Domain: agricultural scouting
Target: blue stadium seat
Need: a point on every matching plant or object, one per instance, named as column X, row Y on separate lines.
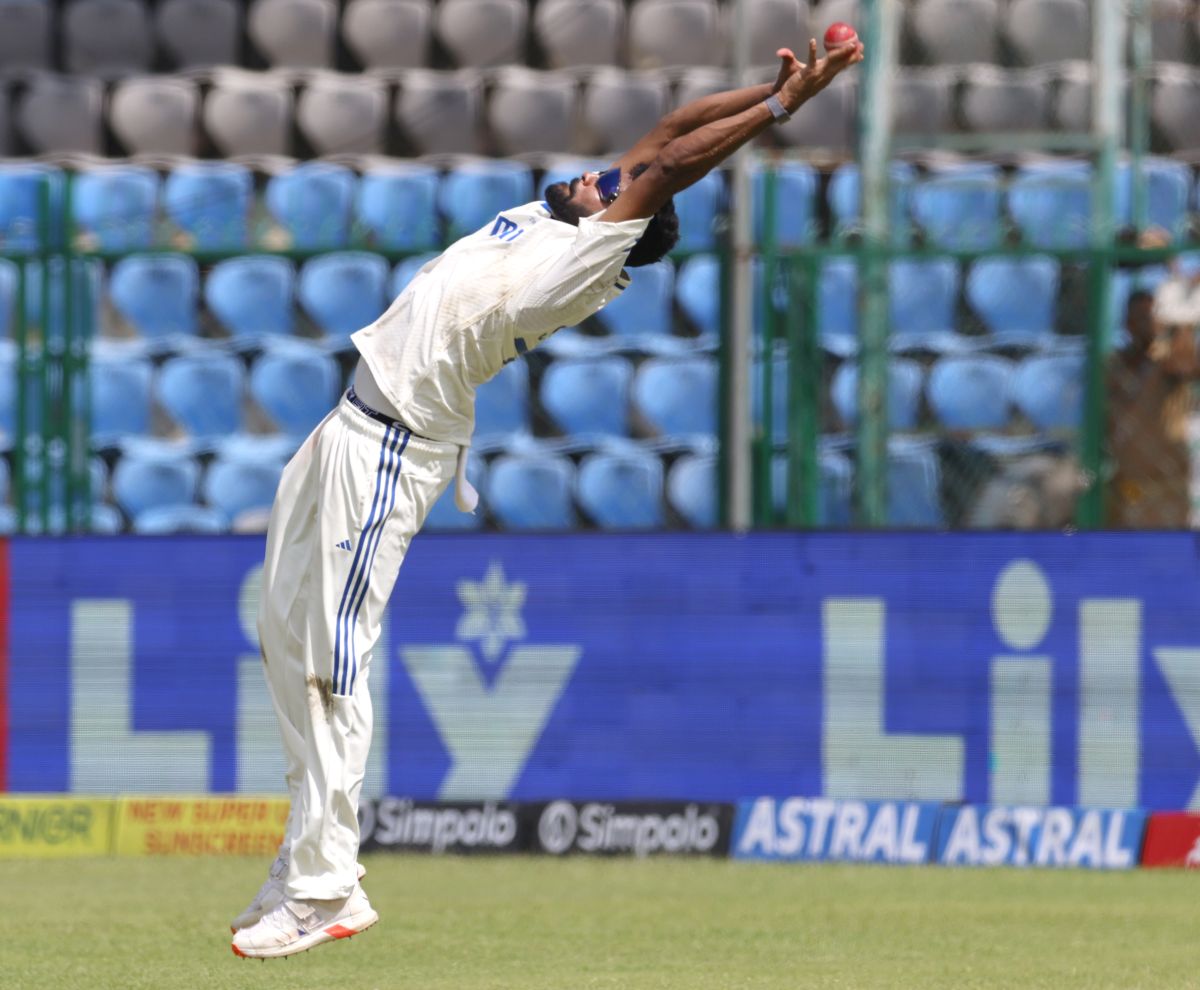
column 313, row 203
column 692, row 489
column 8, row 393
column 344, row 292
column 641, row 314
column 397, row 207
column 234, row 487
column 444, row 514
column 1168, row 187
column 959, row 207
column 157, row 294
column 698, row 292
column 114, row 207
column 25, row 190
column 699, row 207
column 406, row 271
column 588, row 396
column 210, row 202
column 903, row 393
column 473, row 193
column 169, row 520
column 502, row 407
column 9, row 277
column 837, row 306
column 5, row 480
column 1051, row 204
column 621, row 491
column 835, row 489
column 105, row 520
column 296, row 384
column 202, row 392
column 276, row 448
column 1048, row 389
column 970, row 393
column 924, row 300
column 120, row 397
column 252, row 297
column 97, row 479
column 150, row 481
column 1016, row 298
column 795, row 204
column 845, row 200
column 914, row 480
column 678, row 397
column 531, row 492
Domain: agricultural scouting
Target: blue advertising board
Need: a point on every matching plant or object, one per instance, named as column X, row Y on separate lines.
column 989, row 668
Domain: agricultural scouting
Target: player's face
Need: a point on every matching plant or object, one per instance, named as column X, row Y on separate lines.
column 582, row 193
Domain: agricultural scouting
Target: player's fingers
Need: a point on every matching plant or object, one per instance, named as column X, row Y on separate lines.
column 812, row 52
column 785, row 54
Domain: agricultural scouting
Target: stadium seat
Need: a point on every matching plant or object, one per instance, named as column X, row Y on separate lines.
column 106, row 38
column 835, row 489
column 294, row 33
column 313, row 203
column 482, row 33
column 769, row 21
column 531, row 492
column 1173, row 101
column 199, row 33
column 296, row 384
column 837, row 306
column 700, row 208
column 9, row 279
column 699, row 82
column 252, row 297
column 343, row 114
column 845, row 200
column 588, row 396
column 641, row 314
column 26, row 34
column 1168, row 42
column 1016, row 298
column 1051, row 204
column 388, row 34
column 994, row 100
column 698, row 292
column 531, row 111
column 970, row 393
column 170, row 520
column 1048, row 389
column 256, row 448
column 903, row 393
column 114, row 207
column 914, row 481
column 692, row 489
column 957, row 32
column 210, row 203
column 149, row 481
column 60, row 114
column 406, row 271
column 473, row 193
column 1042, row 31
column 959, row 207
column 574, row 34
column 157, row 295
column 120, row 399
column 396, row 207
column 232, row 487
column 621, row 491
column 795, row 203
column 439, row 112
column 249, row 113
column 8, row 393
column 25, row 190
column 678, row 397
column 1168, row 191
column 666, row 33
column 502, row 407
column 831, row 125
column 202, row 392
column 923, row 101
column 619, row 107
column 155, row 115
column 105, row 520
column 343, row 292
column 444, row 515
column 923, row 304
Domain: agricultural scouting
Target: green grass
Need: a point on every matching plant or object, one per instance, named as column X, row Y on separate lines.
column 540, row 924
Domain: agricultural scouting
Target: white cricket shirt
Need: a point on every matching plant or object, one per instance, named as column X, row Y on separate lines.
column 487, row 299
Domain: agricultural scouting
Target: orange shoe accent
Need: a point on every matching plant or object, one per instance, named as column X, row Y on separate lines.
column 340, row 931
column 237, row 951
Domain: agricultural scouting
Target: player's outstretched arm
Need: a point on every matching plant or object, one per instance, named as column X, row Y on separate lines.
column 686, row 159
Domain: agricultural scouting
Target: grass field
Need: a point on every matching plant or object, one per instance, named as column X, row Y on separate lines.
column 540, row 924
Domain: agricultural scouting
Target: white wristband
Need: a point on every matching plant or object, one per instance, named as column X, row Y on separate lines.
column 778, row 110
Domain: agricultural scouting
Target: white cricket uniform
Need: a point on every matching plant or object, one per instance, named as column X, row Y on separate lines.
column 358, row 490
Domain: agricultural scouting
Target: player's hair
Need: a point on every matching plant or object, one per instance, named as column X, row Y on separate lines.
column 1138, row 296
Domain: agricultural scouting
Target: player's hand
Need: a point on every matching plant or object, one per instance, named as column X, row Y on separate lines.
column 789, row 65
column 810, row 79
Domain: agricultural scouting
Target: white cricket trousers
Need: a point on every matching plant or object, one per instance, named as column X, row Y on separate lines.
column 348, row 504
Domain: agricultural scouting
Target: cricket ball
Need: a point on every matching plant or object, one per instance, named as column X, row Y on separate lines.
column 839, row 34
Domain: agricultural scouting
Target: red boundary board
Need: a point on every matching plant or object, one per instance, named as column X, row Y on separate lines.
column 1172, row 839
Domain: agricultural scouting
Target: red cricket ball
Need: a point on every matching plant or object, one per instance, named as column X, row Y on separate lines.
column 839, row 34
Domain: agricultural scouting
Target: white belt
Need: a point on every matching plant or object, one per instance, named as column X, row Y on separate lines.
column 466, row 498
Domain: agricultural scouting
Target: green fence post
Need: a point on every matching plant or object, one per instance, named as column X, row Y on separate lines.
column 764, row 446
column 804, row 391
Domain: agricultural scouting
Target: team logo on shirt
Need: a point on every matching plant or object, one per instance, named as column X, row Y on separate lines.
column 505, row 229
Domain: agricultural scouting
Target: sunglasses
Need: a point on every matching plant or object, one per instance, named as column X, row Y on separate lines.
column 608, row 185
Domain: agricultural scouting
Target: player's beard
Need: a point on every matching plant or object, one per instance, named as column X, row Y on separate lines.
column 559, row 196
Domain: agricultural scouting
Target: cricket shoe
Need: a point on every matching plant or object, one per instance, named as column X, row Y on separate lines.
column 271, row 894
column 297, row 926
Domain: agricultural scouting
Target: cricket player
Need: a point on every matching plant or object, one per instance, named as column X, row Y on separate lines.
column 359, row 488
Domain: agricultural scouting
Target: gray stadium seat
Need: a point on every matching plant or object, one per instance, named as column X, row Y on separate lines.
column 693, row 84
column 439, row 111
column 1169, row 42
column 199, row 32
column 25, row 34
column 155, row 114
column 773, row 24
column 1071, row 102
column 675, row 33
column 829, row 123
column 5, row 117
column 996, row 99
column 532, row 111
column 574, row 34
column 830, row 11
column 388, row 34
column 106, row 37
column 340, row 113
column 295, row 33
column 483, row 32
column 954, row 32
column 248, row 113
column 61, row 114
column 1173, row 106
column 619, row 107
column 923, row 100
column 1043, row 31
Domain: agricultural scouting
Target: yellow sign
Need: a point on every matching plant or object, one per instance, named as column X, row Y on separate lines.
column 194, row 826
column 42, row 827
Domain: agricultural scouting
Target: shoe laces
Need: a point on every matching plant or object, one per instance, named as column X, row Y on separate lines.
column 278, row 869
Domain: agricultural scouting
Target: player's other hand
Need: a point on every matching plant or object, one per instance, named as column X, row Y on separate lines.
column 789, row 65
column 810, row 79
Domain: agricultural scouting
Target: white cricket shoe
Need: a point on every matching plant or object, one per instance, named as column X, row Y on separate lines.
column 271, row 894
column 296, row 926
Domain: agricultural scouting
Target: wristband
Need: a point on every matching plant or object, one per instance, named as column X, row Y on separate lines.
column 778, row 110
